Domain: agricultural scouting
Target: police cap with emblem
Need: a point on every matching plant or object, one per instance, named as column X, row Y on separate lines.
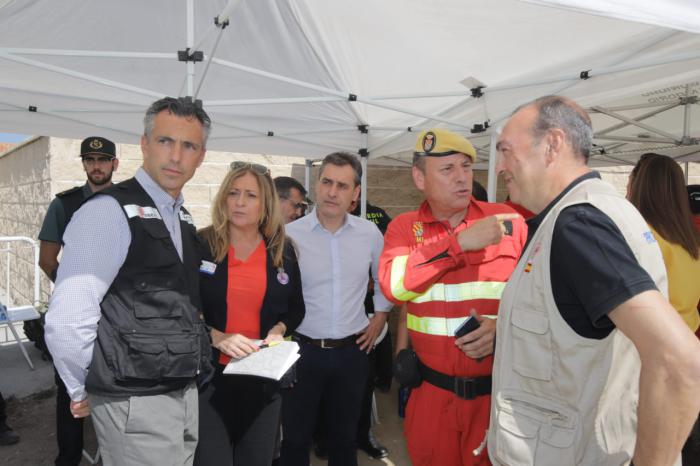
column 439, row 142
column 97, row 146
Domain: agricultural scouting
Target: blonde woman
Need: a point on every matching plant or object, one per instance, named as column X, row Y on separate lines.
column 251, row 289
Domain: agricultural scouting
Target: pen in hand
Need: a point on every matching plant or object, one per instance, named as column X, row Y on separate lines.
column 269, row 345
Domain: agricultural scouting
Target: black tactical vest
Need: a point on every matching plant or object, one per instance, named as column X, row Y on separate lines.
column 151, row 338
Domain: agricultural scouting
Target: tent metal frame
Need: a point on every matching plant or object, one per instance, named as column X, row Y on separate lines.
column 365, row 143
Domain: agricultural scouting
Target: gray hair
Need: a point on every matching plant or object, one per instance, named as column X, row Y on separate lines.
column 180, row 106
column 341, row 159
column 554, row 111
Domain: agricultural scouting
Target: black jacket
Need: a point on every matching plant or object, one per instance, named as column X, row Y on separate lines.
column 282, row 302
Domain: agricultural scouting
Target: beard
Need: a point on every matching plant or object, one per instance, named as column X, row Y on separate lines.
column 101, row 179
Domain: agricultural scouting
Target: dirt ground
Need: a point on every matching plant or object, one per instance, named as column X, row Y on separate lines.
column 33, row 418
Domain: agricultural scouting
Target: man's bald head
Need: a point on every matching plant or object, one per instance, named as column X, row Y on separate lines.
column 555, row 111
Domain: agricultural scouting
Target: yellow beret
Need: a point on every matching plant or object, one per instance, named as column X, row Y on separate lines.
column 439, row 142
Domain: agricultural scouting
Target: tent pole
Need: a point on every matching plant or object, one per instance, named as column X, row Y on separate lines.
column 83, row 76
column 87, row 53
column 634, row 122
column 334, row 92
column 606, row 137
column 134, row 135
column 639, row 118
column 258, row 133
column 190, row 44
column 288, row 100
column 492, row 176
column 211, row 55
column 686, row 115
column 420, row 123
column 363, row 186
column 307, row 176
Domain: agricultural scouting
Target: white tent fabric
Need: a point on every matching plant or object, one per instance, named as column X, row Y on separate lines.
column 683, row 15
column 307, row 77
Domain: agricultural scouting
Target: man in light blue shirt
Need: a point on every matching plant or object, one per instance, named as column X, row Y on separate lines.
column 335, row 251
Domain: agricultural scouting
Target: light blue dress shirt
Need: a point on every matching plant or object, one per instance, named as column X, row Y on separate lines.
column 334, row 274
column 97, row 241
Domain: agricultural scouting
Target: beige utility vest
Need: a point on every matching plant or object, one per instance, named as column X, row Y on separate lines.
column 560, row 399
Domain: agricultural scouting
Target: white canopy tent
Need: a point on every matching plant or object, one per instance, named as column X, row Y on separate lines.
column 307, row 77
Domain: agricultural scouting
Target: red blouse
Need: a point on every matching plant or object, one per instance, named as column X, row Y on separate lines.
column 247, row 281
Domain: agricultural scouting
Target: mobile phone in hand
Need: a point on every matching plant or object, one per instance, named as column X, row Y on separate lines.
column 467, row 326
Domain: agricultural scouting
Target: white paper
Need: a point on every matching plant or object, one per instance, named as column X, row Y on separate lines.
column 271, row 362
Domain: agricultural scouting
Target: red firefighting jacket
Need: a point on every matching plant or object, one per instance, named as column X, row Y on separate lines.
column 423, row 266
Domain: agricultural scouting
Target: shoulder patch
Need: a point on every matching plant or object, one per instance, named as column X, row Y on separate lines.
column 133, row 210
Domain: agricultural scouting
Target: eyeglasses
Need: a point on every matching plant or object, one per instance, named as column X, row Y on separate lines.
column 101, row 160
column 262, row 169
column 296, row 205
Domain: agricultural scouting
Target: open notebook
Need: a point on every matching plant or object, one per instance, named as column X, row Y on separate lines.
column 271, row 362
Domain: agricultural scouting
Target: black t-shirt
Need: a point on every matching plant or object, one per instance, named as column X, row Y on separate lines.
column 592, row 268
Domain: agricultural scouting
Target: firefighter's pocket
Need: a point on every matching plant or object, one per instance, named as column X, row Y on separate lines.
column 151, row 291
column 506, row 249
column 534, row 431
column 532, row 344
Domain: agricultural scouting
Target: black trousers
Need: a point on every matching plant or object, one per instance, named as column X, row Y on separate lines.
column 337, row 378
column 69, row 430
column 238, row 422
column 379, row 375
column 3, row 413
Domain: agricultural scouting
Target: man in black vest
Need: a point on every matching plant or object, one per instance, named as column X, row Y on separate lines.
column 99, row 162
column 124, row 324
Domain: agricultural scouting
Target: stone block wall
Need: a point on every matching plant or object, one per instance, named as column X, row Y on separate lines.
column 25, row 191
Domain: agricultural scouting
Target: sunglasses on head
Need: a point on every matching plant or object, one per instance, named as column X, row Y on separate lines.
column 262, row 169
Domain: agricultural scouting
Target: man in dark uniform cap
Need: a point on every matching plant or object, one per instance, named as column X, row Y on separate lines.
column 99, row 161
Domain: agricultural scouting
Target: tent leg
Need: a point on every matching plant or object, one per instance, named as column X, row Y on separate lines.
column 492, row 175
column 307, row 176
column 363, row 188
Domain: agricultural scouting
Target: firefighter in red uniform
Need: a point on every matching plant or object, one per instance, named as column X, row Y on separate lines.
column 448, row 260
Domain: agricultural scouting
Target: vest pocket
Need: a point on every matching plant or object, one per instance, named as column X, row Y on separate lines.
column 151, row 357
column 143, row 358
column 532, row 345
column 533, row 431
column 183, row 361
column 150, row 294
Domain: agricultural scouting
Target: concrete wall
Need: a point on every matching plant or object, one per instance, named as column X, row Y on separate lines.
column 25, row 191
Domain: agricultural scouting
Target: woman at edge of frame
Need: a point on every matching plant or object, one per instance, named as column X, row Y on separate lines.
column 657, row 189
column 250, row 287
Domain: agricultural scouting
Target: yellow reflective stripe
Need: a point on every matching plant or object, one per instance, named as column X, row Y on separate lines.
column 398, row 270
column 455, row 292
column 439, row 326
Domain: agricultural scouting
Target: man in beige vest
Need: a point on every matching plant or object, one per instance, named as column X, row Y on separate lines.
column 592, row 366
